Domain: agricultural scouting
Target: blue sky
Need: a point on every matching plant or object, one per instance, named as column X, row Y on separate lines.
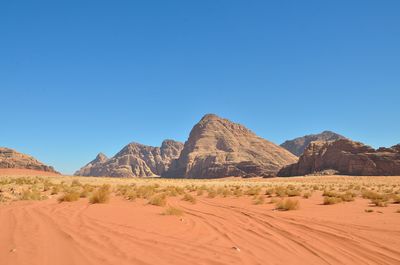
column 80, row 77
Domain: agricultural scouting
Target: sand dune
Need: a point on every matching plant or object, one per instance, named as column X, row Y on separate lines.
column 212, row 231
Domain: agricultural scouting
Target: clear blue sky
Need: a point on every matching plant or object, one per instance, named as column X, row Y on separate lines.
column 80, row 77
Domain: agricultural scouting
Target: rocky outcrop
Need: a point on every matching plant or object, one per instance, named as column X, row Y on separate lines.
column 298, row 145
column 346, row 158
column 91, row 166
column 219, row 148
column 10, row 158
column 134, row 160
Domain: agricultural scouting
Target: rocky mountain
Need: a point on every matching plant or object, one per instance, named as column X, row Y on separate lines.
column 10, row 158
column 218, row 148
column 346, row 158
column 298, row 145
column 134, row 160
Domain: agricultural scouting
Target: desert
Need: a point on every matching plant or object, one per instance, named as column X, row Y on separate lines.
column 199, row 132
column 301, row 220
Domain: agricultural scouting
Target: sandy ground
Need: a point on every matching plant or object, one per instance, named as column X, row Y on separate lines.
column 212, row 231
column 24, row 172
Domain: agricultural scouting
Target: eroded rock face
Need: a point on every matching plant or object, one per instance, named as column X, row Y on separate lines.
column 219, row 148
column 10, row 158
column 298, row 145
column 346, row 157
column 134, row 160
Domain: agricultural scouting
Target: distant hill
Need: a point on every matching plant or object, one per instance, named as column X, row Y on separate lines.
column 134, row 160
column 345, row 157
column 11, row 159
column 298, row 145
column 219, row 148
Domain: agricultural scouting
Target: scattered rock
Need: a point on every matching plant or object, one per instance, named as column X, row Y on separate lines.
column 236, row 248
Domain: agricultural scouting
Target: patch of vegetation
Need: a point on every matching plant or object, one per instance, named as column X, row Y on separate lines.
column 287, row 205
column 258, row 200
column 189, row 198
column 173, row 211
column 69, row 196
column 159, row 200
column 101, row 195
column 332, row 200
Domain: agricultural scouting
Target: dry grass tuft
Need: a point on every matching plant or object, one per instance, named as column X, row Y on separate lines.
column 258, row 200
column 173, row 211
column 332, row 200
column 189, row 198
column 287, row 205
column 159, row 200
column 101, row 195
column 70, row 196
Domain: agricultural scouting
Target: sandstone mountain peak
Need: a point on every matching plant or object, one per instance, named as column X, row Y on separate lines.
column 218, row 147
column 345, row 157
column 134, row 160
column 10, row 158
column 298, row 145
column 100, row 158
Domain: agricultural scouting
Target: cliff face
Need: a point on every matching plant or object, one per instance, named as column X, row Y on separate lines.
column 134, row 160
column 219, row 148
column 346, row 158
column 298, row 145
column 10, row 158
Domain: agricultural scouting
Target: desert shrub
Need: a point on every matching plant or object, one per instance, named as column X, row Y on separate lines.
column 131, row 195
column 76, row 183
column 307, row 195
column 158, row 200
column 173, row 191
column 293, row 192
column 348, row 196
column 226, row 192
column 273, row 200
column 200, row 192
column 238, row 192
column 258, row 200
column 173, row 211
column 379, row 202
column 332, row 200
column 269, row 192
column 211, row 193
column 146, row 192
column 101, row 195
column 31, row 195
column 253, row 191
column 280, row 191
column 287, row 205
column 372, row 195
column 396, row 198
column 189, row 198
column 69, row 196
column 55, row 189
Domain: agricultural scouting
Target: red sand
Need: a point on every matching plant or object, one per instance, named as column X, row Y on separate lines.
column 122, row 232
column 24, row 172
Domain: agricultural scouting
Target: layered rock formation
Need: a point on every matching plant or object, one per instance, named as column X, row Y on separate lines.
column 218, row 148
column 298, row 145
column 10, row 158
column 346, row 158
column 134, row 160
